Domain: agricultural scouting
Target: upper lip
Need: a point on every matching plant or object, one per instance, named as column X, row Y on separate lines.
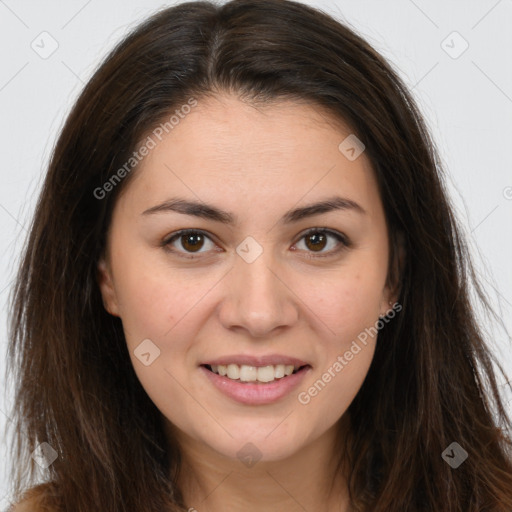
column 266, row 360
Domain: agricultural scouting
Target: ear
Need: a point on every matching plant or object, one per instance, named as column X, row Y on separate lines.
column 396, row 266
column 106, row 285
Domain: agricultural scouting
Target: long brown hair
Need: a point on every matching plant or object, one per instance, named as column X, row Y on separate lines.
column 431, row 382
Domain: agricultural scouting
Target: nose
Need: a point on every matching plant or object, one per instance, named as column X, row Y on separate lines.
column 258, row 298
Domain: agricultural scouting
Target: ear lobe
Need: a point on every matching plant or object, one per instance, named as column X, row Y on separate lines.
column 107, row 290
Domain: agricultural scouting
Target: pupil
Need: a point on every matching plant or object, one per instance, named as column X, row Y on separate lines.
column 319, row 238
column 189, row 241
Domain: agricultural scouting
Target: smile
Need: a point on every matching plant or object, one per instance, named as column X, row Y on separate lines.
column 246, row 373
column 242, row 383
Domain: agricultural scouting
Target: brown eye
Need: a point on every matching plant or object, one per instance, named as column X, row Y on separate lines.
column 316, row 241
column 188, row 242
column 192, row 242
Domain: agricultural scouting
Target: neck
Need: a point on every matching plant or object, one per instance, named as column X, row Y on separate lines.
column 313, row 478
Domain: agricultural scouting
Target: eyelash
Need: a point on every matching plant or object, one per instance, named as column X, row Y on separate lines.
column 345, row 243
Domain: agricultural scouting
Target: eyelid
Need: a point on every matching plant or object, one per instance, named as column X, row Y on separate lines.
column 343, row 238
column 340, row 237
column 165, row 243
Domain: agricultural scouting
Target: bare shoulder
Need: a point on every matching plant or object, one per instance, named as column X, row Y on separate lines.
column 24, row 506
column 27, row 505
column 32, row 501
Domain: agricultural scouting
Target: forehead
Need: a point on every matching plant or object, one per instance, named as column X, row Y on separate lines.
column 223, row 124
column 229, row 150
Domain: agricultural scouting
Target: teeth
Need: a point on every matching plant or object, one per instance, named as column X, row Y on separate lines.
column 233, row 371
column 247, row 373
column 279, row 369
column 266, row 374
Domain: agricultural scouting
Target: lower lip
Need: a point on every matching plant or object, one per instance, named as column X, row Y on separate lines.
column 256, row 394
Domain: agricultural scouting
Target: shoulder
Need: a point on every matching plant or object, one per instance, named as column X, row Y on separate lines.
column 24, row 506
column 27, row 505
column 31, row 501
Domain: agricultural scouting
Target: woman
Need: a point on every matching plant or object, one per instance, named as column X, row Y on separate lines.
column 245, row 289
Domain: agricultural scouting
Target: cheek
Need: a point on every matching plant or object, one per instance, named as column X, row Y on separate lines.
column 349, row 307
column 330, row 392
column 158, row 319
column 348, row 304
column 347, row 301
column 153, row 299
column 166, row 307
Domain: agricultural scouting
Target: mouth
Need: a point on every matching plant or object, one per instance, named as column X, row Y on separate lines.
column 247, row 374
column 259, row 382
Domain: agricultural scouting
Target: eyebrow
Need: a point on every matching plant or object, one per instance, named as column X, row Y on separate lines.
column 211, row 212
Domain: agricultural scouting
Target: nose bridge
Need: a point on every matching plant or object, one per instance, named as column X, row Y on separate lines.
column 258, row 299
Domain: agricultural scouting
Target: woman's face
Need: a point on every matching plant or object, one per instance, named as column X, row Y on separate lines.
column 248, row 287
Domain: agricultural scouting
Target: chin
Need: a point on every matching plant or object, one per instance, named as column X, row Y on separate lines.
column 257, row 443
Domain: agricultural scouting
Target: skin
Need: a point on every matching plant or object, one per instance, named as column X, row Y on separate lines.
column 256, row 163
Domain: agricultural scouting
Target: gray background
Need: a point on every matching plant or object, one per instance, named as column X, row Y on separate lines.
column 465, row 95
